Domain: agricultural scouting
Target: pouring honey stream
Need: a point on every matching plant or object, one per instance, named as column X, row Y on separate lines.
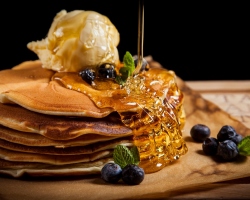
column 159, row 123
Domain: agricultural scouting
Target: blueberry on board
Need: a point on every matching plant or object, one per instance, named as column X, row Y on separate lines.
column 237, row 138
column 132, row 174
column 228, row 133
column 210, row 146
column 200, row 132
column 111, row 173
column 227, row 150
column 87, row 75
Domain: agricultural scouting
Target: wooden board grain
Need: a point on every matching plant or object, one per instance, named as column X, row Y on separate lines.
column 231, row 96
column 234, row 98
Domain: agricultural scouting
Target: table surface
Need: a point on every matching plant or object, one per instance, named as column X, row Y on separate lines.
column 234, row 98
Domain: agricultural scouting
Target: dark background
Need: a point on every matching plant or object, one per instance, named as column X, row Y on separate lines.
column 199, row 40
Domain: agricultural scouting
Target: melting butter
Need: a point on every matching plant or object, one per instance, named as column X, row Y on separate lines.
column 78, row 40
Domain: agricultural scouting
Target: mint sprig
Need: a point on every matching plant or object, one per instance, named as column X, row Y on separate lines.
column 136, row 155
column 244, row 146
column 123, row 155
column 127, row 70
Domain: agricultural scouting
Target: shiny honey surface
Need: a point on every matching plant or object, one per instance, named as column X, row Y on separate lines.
column 150, row 103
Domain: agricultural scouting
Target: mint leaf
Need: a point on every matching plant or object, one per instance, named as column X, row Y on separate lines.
column 122, row 156
column 127, row 70
column 136, row 155
column 129, row 63
column 125, row 73
column 119, row 80
column 244, row 146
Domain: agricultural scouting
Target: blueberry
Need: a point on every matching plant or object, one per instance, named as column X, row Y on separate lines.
column 87, row 75
column 237, row 138
column 227, row 150
column 210, row 146
column 228, row 133
column 107, row 70
column 111, row 173
column 200, row 132
column 132, row 174
column 145, row 65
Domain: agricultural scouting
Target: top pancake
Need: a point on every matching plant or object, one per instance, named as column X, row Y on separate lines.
column 44, row 91
column 32, row 87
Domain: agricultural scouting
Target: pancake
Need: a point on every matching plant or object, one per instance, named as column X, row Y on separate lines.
column 11, row 155
column 18, row 169
column 29, row 85
column 60, row 128
column 40, row 94
column 77, row 150
column 33, row 73
column 67, row 94
column 34, row 139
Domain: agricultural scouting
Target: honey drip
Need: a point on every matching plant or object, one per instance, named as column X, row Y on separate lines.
column 157, row 126
column 159, row 117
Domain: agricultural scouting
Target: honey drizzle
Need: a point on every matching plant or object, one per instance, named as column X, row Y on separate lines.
column 157, row 128
column 159, row 117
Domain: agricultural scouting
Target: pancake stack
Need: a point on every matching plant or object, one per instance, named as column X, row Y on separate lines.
column 48, row 129
column 39, row 143
column 55, row 123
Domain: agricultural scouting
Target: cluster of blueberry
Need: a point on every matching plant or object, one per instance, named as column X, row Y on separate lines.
column 131, row 174
column 106, row 70
column 225, row 145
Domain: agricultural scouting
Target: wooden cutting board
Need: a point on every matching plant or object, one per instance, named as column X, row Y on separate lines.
column 234, row 98
column 194, row 176
column 231, row 96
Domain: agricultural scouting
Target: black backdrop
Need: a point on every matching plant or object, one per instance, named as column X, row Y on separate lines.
column 206, row 40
